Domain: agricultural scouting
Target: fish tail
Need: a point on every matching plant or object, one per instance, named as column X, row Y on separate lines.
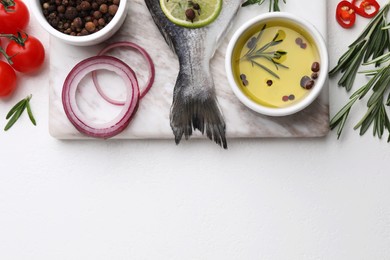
column 192, row 109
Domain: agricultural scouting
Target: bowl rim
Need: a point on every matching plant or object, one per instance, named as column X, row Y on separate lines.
column 79, row 40
column 320, row 82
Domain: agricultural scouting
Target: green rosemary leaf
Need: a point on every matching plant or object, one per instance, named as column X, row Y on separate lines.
column 380, row 59
column 342, row 124
column 364, row 119
column 261, row 33
column 340, row 119
column 16, row 108
column 347, row 59
column 388, row 100
column 377, row 96
column 387, row 123
column 349, row 75
column 380, row 124
column 30, row 114
column 266, row 69
column 359, row 93
column 370, row 84
column 366, row 123
column 253, row 48
column 251, row 2
column 264, row 53
column 371, row 47
column 267, row 45
column 339, row 115
column 14, row 118
column 276, row 7
column 378, row 43
column 273, row 4
column 281, row 53
column 281, row 65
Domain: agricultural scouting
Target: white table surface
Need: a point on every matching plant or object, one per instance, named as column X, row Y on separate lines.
column 261, row 199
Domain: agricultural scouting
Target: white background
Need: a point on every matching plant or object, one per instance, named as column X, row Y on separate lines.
column 261, row 199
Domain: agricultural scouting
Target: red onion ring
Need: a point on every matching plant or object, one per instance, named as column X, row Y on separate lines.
column 151, row 68
column 76, row 117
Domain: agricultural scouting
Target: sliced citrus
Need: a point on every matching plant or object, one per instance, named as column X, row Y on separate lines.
column 191, row 13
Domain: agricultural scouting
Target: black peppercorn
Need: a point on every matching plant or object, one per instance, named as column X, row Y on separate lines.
column 71, row 13
column 85, row 6
column 112, row 9
column 103, row 8
column 97, row 14
column 77, row 22
column 52, row 8
column 101, row 22
column 190, row 14
column 90, row 27
column 315, row 67
column 61, row 9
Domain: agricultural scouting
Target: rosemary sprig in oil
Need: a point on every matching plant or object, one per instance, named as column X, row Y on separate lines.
column 273, row 4
column 254, row 53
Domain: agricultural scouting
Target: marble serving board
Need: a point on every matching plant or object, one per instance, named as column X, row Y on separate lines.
column 152, row 118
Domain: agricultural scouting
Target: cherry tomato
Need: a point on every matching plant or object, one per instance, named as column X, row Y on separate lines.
column 27, row 58
column 7, row 79
column 14, row 16
column 366, row 8
column 345, row 14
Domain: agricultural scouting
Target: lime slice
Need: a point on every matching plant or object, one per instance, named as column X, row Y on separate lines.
column 199, row 12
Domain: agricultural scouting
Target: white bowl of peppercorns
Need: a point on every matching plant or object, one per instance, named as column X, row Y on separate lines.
column 80, row 22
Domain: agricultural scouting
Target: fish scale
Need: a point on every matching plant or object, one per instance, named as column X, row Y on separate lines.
column 195, row 104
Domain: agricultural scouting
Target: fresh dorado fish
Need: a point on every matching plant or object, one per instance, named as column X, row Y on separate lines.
column 195, row 103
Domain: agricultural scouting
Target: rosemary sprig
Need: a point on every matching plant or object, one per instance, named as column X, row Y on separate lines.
column 373, row 42
column 263, row 52
column 376, row 114
column 273, row 4
column 370, row 48
column 17, row 110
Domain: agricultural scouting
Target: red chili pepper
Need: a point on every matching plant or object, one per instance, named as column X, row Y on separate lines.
column 366, row 8
column 345, row 14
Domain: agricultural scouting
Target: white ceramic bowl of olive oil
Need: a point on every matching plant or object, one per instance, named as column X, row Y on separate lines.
column 92, row 38
column 277, row 64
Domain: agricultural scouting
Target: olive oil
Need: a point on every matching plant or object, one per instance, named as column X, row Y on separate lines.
column 278, row 71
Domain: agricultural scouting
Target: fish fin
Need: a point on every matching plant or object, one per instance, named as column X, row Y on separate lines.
column 198, row 112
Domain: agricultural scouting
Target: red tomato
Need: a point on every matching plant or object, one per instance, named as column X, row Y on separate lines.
column 7, row 79
column 27, row 58
column 14, row 16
